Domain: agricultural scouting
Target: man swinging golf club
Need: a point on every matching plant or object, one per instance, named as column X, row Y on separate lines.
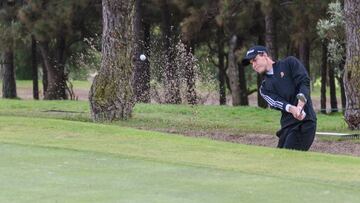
column 286, row 87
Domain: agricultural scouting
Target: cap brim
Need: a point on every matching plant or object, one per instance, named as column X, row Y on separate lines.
column 246, row 60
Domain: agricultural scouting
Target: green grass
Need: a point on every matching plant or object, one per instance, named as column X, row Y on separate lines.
column 316, row 90
column 27, row 84
column 181, row 118
column 49, row 160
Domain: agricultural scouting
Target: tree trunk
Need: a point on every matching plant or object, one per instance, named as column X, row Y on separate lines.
column 9, row 84
column 1, row 70
column 221, row 66
column 342, row 91
column 172, row 82
column 56, row 87
column 233, row 72
column 333, row 99
column 146, row 98
column 270, row 33
column 352, row 65
column 244, row 100
column 190, row 75
column 34, row 69
column 141, row 68
column 111, row 94
column 323, row 78
column 259, row 78
column 341, row 84
column 304, row 53
column 44, row 77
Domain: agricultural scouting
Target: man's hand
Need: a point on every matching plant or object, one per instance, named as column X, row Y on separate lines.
column 300, row 104
column 296, row 112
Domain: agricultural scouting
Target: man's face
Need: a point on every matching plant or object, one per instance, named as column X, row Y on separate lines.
column 259, row 63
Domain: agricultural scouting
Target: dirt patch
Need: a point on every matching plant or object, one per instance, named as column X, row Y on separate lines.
column 336, row 147
column 345, row 147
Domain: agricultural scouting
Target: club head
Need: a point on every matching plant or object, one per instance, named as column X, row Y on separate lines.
column 301, row 97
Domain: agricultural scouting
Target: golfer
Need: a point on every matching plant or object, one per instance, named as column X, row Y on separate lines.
column 283, row 81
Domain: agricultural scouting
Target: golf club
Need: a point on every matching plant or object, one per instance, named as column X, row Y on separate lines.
column 302, row 98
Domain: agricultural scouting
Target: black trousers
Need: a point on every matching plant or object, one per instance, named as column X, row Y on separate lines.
column 299, row 136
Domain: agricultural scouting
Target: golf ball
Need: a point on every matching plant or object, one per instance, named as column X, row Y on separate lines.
column 142, row 57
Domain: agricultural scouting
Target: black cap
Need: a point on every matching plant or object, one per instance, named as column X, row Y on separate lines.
column 252, row 53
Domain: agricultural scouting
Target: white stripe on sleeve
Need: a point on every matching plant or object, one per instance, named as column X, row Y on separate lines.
column 272, row 102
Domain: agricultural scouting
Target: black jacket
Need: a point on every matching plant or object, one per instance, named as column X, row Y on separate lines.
column 280, row 89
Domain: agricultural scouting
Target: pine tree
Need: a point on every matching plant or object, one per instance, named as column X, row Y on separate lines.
column 304, row 17
column 141, row 46
column 332, row 31
column 171, row 72
column 111, row 95
column 8, row 26
column 352, row 66
column 56, row 26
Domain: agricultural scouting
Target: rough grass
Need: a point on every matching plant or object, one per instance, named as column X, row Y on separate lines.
column 181, row 118
column 70, row 161
column 28, row 84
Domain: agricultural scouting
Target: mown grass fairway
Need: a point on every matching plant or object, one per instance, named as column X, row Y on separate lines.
column 70, row 161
